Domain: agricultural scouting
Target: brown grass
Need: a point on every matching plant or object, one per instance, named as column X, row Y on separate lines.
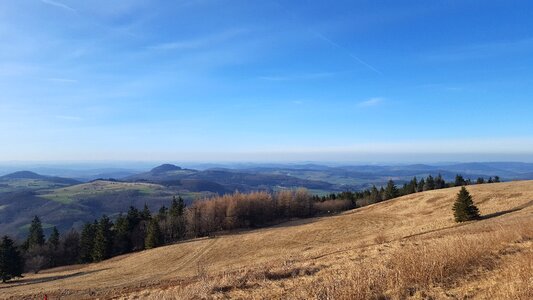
column 384, row 251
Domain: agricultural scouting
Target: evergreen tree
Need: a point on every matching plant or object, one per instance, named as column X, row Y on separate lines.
column 36, row 235
column 459, row 180
column 421, row 185
column 122, row 241
column 11, row 263
column 374, row 195
column 87, row 238
column 153, row 235
column 134, row 217
column 177, row 207
column 381, row 194
column 177, row 218
column 439, row 182
column 496, row 178
column 464, row 208
column 391, row 191
column 411, row 187
column 162, row 214
column 53, row 239
column 480, row 180
column 490, row 180
column 146, row 214
column 103, row 241
column 430, row 184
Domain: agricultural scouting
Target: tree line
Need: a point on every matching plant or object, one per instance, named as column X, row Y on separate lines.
column 391, row 190
column 137, row 229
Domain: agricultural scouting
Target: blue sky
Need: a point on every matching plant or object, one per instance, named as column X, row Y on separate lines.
column 266, row 80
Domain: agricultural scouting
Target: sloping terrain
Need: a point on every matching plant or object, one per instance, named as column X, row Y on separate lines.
column 69, row 206
column 405, row 247
column 226, row 180
column 27, row 181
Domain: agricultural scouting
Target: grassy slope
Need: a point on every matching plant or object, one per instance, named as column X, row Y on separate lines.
column 97, row 188
column 13, row 185
column 332, row 256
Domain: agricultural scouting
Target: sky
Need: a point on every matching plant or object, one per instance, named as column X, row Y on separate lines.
column 200, row 80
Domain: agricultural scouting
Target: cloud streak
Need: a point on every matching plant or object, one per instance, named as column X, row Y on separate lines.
column 199, row 42
column 350, row 54
column 371, row 102
column 58, row 4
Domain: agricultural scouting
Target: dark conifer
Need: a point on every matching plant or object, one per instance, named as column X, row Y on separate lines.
column 36, row 235
column 88, row 234
column 464, row 208
column 11, row 263
column 459, row 180
column 53, row 239
column 103, row 242
column 430, row 184
column 391, row 191
column 153, row 235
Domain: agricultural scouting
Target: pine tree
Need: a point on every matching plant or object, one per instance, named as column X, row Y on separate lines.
column 177, row 218
column 421, row 185
column 496, row 179
column 439, row 182
column 123, row 229
column 36, row 235
column 11, row 263
column 464, row 208
column 391, row 191
column 459, row 180
column 374, row 195
column 480, row 180
column 53, row 239
column 103, row 241
column 177, row 207
column 430, row 184
column 146, row 214
column 87, row 238
column 153, row 235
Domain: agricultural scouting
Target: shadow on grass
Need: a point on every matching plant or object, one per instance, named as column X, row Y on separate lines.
column 504, row 212
column 29, row 281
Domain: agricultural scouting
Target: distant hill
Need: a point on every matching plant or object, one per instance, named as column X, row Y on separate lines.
column 70, row 206
column 32, row 175
column 26, row 180
column 225, row 180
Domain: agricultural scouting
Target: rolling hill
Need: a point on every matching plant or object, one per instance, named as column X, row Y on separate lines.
column 403, row 248
column 68, row 206
column 26, row 181
column 221, row 180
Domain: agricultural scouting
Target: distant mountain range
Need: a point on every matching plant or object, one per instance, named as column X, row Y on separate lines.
column 70, row 199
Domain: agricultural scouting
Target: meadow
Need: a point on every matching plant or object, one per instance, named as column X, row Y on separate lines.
column 407, row 247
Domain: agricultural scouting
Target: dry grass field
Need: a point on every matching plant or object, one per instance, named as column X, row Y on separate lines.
column 409, row 247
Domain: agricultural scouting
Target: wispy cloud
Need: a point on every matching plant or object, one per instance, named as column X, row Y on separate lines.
column 344, row 49
column 58, row 4
column 199, row 42
column 371, row 102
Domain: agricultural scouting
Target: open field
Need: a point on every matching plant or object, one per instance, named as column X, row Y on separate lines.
column 13, row 185
column 99, row 188
column 407, row 247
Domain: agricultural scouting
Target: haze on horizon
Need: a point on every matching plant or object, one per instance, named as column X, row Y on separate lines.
column 196, row 80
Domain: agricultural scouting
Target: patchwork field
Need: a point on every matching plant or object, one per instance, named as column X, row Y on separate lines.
column 407, row 247
column 101, row 188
